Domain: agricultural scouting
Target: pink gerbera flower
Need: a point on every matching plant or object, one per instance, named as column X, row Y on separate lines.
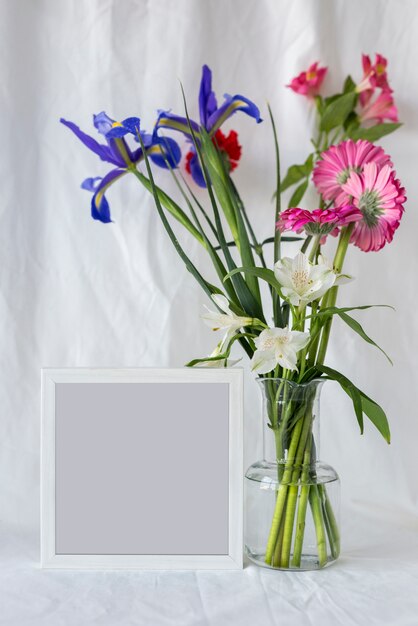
column 379, row 196
column 319, row 221
column 309, row 83
column 337, row 163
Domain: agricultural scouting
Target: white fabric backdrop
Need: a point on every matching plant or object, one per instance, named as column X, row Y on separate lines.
column 75, row 292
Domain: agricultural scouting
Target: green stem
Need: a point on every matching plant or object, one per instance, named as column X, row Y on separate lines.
column 282, row 492
column 319, row 524
column 302, row 506
column 293, row 490
column 330, row 522
column 331, row 297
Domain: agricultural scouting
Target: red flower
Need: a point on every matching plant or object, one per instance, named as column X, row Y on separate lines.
column 309, row 83
column 227, row 145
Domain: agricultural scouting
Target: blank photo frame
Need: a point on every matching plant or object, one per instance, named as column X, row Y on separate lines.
column 141, row 468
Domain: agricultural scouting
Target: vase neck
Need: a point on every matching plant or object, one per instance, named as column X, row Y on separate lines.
column 286, row 404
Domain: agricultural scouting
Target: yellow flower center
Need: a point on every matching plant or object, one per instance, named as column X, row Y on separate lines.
column 300, row 278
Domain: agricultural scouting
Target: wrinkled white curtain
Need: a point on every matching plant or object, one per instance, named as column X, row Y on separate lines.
column 75, row 292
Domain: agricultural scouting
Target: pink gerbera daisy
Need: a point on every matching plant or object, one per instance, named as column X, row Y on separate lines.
column 379, row 196
column 319, row 221
column 337, row 163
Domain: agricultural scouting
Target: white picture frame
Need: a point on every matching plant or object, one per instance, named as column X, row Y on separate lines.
column 77, row 527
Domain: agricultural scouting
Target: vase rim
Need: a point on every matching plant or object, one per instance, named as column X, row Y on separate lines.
column 262, row 379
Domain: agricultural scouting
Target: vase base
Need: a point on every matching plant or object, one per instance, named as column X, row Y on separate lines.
column 309, row 563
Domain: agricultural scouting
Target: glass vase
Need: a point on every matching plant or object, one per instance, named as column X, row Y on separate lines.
column 292, row 498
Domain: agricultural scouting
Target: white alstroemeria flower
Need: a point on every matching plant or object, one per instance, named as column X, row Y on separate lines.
column 226, row 320
column 277, row 346
column 302, row 282
column 340, row 279
column 219, row 362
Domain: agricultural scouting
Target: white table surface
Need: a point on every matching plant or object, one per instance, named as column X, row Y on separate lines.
column 375, row 582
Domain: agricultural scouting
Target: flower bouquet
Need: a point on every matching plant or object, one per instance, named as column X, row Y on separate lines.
column 360, row 202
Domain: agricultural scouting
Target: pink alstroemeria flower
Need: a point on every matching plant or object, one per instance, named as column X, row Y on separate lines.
column 383, row 108
column 374, row 75
column 317, row 222
column 309, row 83
column 336, row 164
column 380, row 197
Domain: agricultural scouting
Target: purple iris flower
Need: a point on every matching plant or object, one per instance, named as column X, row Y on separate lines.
column 164, row 151
column 211, row 119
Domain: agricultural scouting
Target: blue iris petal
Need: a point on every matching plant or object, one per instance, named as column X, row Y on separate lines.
column 133, row 124
column 231, row 105
column 196, row 171
column 164, row 152
column 166, row 119
column 102, row 151
column 103, row 122
column 100, row 209
column 91, row 184
column 129, row 126
column 207, row 98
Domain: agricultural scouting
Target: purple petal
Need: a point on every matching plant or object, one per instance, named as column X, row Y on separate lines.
column 165, row 152
column 231, row 105
column 207, row 98
column 100, row 209
column 129, row 126
column 196, row 171
column 103, row 122
column 175, row 122
column 102, row 151
column 91, row 184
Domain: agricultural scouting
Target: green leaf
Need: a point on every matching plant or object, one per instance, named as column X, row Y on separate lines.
column 229, row 201
column 245, row 296
column 298, row 194
column 376, row 415
column 369, row 407
column 210, row 155
column 350, row 390
column 189, row 265
column 337, row 111
column 260, row 272
column 354, row 325
column 374, row 132
column 277, row 311
column 295, row 173
column 172, row 207
column 226, row 353
column 351, row 123
column 334, row 310
column 349, row 85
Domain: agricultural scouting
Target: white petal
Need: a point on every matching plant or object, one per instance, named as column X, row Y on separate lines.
column 212, row 318
column 343, row 279
column 286, row 357
column 299, row 340
column 263, row 361
column 267, row 337
column 221, row 302
column 301, row 263
column 291, row 295
column 283, row 272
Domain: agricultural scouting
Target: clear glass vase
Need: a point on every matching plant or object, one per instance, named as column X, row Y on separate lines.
column 292, row 498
